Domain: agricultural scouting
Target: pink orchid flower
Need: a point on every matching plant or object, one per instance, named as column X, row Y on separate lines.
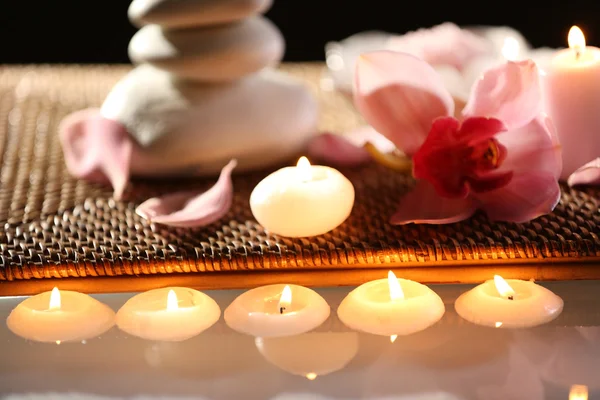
column 501, row 155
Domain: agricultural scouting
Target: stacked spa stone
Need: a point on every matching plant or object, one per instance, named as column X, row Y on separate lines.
column 205, row 89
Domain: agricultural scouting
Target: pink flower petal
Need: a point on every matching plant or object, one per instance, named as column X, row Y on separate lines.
column 588, row 174
column 400, row 95
column 510, row 93
column 192, row 208
column 534, row 148
column 348, row 149
column 97, row 149
column 526, row 197
column 423, row 205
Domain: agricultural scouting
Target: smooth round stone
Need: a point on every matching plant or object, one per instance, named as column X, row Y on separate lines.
column 193, row 13
column 188, row 127
column 222, row 53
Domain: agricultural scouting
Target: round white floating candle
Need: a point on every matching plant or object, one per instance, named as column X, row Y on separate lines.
column 391, row 307
column 306, row 200
column 311, row 354
column 168, row 314
column 572, row 94
column 60, row 316
column 509, row 303
column 277, row 310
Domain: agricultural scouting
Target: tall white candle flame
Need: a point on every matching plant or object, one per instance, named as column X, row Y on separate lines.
column 54, row 300
column 510, row 49
column 578, row 392
column 503, row 287
column 396, row 292
column 285, row 301
column 172, row 302
column 304, row 169
column 576, row 40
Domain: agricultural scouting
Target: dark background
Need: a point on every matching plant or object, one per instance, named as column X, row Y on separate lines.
column 84, row 31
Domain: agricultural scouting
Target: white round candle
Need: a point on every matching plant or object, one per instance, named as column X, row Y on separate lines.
column 509, row 303
column 306, row 200
column 311, row 354
column 276, row 311
column 572, row 94
column 168, row 314
column 391, row 307
column 60, row 316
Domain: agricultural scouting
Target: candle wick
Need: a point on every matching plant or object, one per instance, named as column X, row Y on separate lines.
column 511, row 297
column 281, row 310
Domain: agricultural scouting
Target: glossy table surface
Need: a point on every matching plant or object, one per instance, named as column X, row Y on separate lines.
column 451, row 360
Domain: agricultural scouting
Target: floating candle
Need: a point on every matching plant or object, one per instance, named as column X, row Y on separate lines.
column 509, row 303
column 60, row 316
column 310, row 354
column 572, row 94
column 306, row 200
column 168, row 314
column 391, row 307
column 277, row 310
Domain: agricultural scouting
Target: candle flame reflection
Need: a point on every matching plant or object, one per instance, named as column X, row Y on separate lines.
column 578, row 392
column 576, row 40
column 172, row 302
column 285, row 301
column 396, row 292
column 54, row 300
column 393, row 338
column 510, row 48
column 311, row 376
column 503, row 287
column 304, row 169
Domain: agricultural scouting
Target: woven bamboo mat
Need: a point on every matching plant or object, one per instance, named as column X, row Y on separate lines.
column 58, row 230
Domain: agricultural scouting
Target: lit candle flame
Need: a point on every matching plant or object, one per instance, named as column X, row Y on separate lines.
column 172, row 302
column 576, row 40
column 510, row 48
column 503, row 287
column 285, row 301
column 311, row 376
column 393, row 338
column 58, row 342
column 578, row 392
column 396, row 292
column 304, row 169
column 54, row 300
column 498, row 324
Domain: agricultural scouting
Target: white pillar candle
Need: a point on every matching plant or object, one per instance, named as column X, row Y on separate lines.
column 311, row 354
column 391, row 307
column 60, row 316
column 509, row 303
column 306, row 200
column 276, row 311
column 168, row 314
column 572, row 95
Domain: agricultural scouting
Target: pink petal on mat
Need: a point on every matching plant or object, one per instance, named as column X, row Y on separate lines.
column 423, row 205
column 400, row 95
column 510, row 92
column 97, row 149
column 534, row 147
column 192, row 208
column 526, row 197
column 589, row 174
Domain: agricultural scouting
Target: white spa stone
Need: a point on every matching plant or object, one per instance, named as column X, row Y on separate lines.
column 188, row 13
column 261, row 120
column 221, row 53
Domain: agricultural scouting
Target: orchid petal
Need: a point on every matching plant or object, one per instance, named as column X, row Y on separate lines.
column 424, row 205
column 192, row 208
column 510, row 93
column 400, row 95
column 526, row 197
column 588, row 174
column 97, row 149
column 534, row 147
column 348, row 149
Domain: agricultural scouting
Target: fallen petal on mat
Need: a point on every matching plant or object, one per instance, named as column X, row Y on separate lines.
column 97, row 149
column 192, row 208
column 588, row 174
column 348, row 149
